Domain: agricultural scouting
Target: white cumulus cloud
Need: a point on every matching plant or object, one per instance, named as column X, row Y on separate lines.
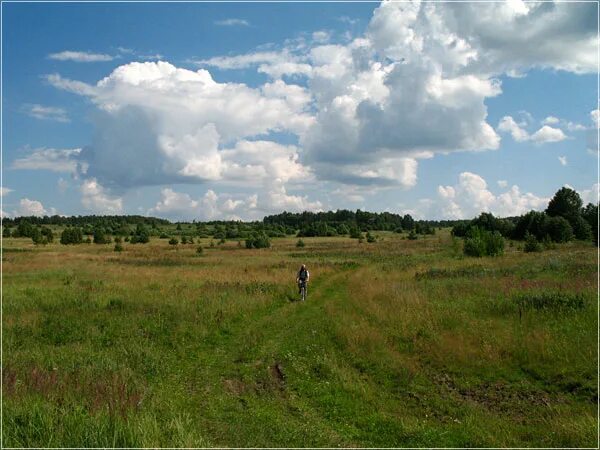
column 29, row 207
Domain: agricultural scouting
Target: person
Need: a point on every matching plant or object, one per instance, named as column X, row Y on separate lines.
column 302, row 277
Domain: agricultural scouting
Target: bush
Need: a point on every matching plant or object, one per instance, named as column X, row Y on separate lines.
column 184, row 240
column 48, row 234
column 173, row 241
column 412, row 235
column 581, row 229
column 72, row 236
column 531, row 244
column 199, row 250
column 100, row 237
column 557, row 228
column 118, row 240
column 163, row 236
column 140, row 235
column 300, row 243
column 258, row 240
column 480, row 243
column 355, row 232
column 370, row 237
column 118, row 246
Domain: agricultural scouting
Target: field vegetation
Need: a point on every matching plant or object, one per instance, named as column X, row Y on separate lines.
column 403, row 341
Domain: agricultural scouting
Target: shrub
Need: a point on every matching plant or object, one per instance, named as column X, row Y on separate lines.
column 140, row 235
column 164, row 236
column 118, row 240
column 199, row 250
column 531, row 244
column 221, row 241
column 100, row 236
column 342, row 229
column 558, row 229
column 48, row 234
column 173, row 241
column 355, row 232
column 184, row 240
column 88, row 240
column 258, row 240
column 72, row 236
column 480, row 243
column 412, row 235
column 300, row 243
column 6, row 232
column 118, row 246
column 398, row 230
column 370, row 237
column 581, row 229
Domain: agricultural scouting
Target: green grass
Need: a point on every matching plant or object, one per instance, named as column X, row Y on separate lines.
column 401, row 343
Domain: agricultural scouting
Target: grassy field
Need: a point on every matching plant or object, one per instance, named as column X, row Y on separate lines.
column 401, row 343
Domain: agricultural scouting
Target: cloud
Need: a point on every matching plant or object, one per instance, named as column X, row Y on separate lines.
column 321, row 36
column 471, row 196
column 232, row 23
column 46, row 112
column 95, row 198
column 562, row 160
column 502, row 183
column 590, row 195
column 69, row 55
column 187, row 118
column 5, row 191
column 550, row 120
column 363, row 113
column 348, row 20
column 213, row 206
column 56, row 160
column 544, row 135
column 29, row 207
column 508, row 125
column 548, row 134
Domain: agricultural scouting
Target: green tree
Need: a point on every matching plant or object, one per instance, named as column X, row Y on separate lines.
column 590, row 214
column 565, row 203
column 100, row 236
column 531, row 244
column 48, row 234
column 71, row 235
column 558, row 229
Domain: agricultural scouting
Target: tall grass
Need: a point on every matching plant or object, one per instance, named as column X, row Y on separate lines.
column 401, row 343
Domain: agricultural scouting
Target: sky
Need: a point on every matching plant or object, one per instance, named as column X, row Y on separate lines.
column 235, row 111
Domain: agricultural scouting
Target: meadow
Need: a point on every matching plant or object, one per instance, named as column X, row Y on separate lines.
column 402, row 343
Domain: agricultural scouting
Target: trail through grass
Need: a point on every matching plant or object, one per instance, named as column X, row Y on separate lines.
column 400, row 343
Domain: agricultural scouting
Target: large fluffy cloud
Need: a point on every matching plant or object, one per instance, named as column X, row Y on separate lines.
column 29, row 207
column 471, row 195
column 212, row 206
column 413, row 85
column 160, row 124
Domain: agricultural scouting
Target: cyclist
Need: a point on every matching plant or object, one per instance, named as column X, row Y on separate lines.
column 302, row 277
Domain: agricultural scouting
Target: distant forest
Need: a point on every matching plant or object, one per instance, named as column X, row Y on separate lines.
column 565, row 219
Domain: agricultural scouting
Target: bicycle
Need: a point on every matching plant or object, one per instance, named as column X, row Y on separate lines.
column 303, row 290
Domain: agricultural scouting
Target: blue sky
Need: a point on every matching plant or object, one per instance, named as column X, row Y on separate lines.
column 229, row 110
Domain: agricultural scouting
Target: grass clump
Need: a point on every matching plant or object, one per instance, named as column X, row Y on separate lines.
column 550, row 301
